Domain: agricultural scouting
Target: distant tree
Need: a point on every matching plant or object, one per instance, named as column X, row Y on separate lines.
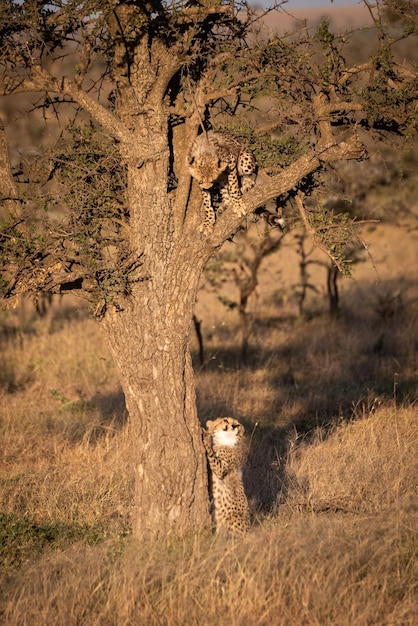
column 241, row 265
column 114, row 213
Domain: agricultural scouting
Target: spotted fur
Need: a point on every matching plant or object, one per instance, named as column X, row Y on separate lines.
column 224, row 443
column 219, row 158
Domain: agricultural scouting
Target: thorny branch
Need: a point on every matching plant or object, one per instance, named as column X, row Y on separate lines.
column 184, row 65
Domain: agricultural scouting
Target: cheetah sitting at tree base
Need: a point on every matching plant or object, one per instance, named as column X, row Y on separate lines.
column 219, row 158
column 224, row 445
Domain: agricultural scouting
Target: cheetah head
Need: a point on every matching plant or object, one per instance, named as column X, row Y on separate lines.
column 206, row 169
column 225, row 431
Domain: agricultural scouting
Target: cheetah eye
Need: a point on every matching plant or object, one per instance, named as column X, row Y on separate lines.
column 191, row 160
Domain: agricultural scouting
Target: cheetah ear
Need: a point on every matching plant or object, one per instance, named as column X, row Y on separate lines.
column 209, row 423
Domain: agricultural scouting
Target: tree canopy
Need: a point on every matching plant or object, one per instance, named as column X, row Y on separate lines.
column 102, row 67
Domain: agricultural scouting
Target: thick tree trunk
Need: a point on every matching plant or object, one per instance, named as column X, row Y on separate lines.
column 149, row 340
column 149, row 343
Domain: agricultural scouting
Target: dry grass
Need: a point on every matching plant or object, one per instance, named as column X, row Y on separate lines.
column 342, row 565
column 372, row 465
column 62, row 423
column 335, row 521
column 316, row 570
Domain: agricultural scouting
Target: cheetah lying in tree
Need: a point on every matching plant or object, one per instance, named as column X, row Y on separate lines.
column 218, row 158
column 223, row 441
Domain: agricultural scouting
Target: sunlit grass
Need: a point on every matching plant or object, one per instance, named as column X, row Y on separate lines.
column 331, row 477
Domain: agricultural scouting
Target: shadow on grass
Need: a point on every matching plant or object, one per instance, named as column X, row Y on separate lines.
column 21, row 538
column 51, row 316
column 317, row 372
column 102, row 416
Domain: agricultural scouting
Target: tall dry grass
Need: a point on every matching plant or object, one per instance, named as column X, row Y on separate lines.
column 63, row 432
column 307, row 565
column 317, row 571
column 373, row 465
column 331, row 475
column 330, row 415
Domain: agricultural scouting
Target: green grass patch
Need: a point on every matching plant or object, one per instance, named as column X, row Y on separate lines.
column 22, row 539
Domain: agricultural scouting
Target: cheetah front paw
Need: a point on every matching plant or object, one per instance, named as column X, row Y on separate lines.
column 206, row 229
column 239, row 208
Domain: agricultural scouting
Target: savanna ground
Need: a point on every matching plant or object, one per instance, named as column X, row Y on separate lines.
column 330, row 410
column 329, row 406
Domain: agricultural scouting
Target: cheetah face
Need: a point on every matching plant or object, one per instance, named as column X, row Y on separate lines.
column 225, row 431
column 207, row 170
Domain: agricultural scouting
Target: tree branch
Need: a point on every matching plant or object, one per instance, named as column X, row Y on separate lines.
column 313, row 234
column 287, row 179
column 43, row 81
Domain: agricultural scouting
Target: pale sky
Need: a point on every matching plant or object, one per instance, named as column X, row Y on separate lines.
column 295, row 4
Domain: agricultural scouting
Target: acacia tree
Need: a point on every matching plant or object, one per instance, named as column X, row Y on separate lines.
column 241, row 265
column 149, row 76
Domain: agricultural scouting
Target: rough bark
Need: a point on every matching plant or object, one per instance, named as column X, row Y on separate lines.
column 149, row 341
column 9, row 204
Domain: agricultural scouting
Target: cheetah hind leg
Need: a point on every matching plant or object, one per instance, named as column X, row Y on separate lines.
column 246, row 184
